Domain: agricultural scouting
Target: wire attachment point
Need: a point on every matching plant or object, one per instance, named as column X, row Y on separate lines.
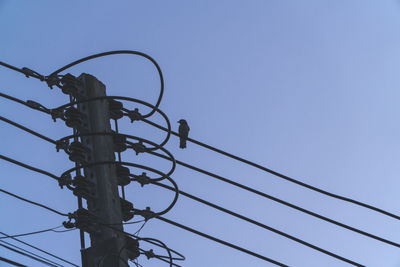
column 65, row 180
column 142, row 179
column 147, row 214
column 149, row 254
column 31, row 73
column 139, row 147
column 134, row 115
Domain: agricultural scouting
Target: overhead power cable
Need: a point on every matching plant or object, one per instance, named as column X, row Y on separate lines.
column 260, row 225
column 34, row 203
column 12, row 262
column 271, row 198
column 39, row 249
column 282, row 202
column 29, row 256
column 221, row 241
column 287, row 178
column 32, row 233
column 29, row 167
column 31, row 253
column 27, row 130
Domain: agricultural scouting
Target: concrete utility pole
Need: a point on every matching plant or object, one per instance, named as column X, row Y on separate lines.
column 104, row 202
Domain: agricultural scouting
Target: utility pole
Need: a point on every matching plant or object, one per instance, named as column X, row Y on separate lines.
column 107, row 244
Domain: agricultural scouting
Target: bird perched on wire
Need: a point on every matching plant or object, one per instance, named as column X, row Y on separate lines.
column 183, row 133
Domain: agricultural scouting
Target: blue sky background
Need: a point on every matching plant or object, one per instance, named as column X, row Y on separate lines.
column 308, row 88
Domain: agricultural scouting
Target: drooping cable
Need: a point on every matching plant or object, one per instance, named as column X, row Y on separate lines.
column 316, row 189
column 129, row 52
column 32, row 233
column 32, row 202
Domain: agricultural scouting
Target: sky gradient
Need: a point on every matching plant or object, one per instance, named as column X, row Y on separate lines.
column 307, row 88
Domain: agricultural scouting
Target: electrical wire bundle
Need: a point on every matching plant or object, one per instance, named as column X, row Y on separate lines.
column 122, row 142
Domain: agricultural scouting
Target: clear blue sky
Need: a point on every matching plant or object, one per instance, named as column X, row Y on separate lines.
column 308, row 88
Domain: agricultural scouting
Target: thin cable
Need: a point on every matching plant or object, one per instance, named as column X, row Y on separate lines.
column 287, row 178
column 27, row 130
column 282, row 202
column 32, row 233
column 31, row 253
column 39, row 249
column 29, row 256
column 222, row 242
column 29, row 167
column 34, row 203
column 260, row 225
column 122, row 52
column 12, row 262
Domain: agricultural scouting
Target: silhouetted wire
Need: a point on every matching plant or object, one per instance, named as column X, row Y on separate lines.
column 32, row 202
column 161, row 258
column 282, row 202
column 260, row 224
column 39, row 249
column 356, row 202
column 64, row 231
column 27, row 255
column 31, row 233
column 31, row 73
column 31, row 253
column 131, row 222
column 29, row 167
column 121, row 52
column 221, row 241
column 26, row 103
column 12, row 262
column 27, row 130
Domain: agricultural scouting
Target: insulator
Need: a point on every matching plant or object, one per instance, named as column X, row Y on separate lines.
column 119, row 142
column 65, row 180
column 73, row 117
column 57, row 114
column 132, row 248
column 142, row 179
column 62, row 144
column 83, row 187
column 77, row 152
column 84, row 220
column 126, row 208
column 115, row 108
column 69, row 84
column 123, row 173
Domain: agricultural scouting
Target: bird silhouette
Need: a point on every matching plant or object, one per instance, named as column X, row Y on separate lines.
column 183, row 133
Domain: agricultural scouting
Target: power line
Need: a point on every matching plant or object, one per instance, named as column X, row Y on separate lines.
column 356, row 202
column 28, row 130
column 27, row 255
column 12, row 262
column 31, row 253
column 264, row 195
column 260, row 225
column 29, row 167
column 282, row 202
column 221, row 241
column 32, row 202
column 31, row 233
column 39, row 249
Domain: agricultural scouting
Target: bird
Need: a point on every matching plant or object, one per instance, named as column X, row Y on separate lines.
column 183, row 133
